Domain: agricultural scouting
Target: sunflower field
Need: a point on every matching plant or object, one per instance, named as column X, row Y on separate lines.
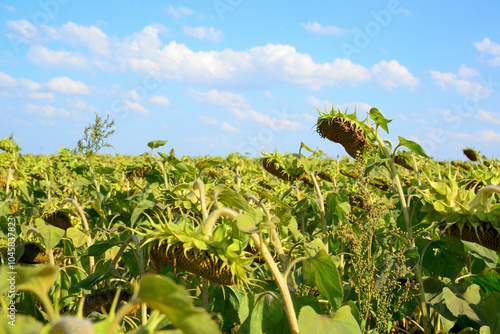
column 384, row 240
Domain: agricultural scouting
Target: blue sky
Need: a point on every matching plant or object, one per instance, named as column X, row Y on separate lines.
column 222, row 76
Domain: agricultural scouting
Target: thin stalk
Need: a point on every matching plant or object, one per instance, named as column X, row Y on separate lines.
column 321, row 207
column 198, row 184
column 209, row 223
column 287, row 298
column 85, row 226
column 406, row 214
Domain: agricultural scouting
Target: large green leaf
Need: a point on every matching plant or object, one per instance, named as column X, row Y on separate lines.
column 51, row 235
column 163, row 294
column 444, row 257
column 77, row 237
column 225, row 302
column 493, row 312
column 37, row 280
column 379, row 119
column 261, row 313
column 19, row 324
column 230, row 198
column 489, row 280
column 413, row 146
column 321, row 272
column 464, row 304
column 157, row 143
column 342, row 321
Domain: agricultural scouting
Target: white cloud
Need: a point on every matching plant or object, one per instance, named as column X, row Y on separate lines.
column 461, row 85
column 65, row 85
column 315, row 27
column 73, row 34
column 136, row 107
column 479, row 136
column 41, row 96
column 23, row 30
column 208, row 120
column 46, row 111
column 228, row 128
column 160, row 100
column 43, row 56
column 31, row 85
column 9, row 8
column 179, row 11
column 391, row 75
column 7, row 81
column 216, row 98
column 209, row 33
column 258, row 67
column 489, row 47
column 488, row 116
column 467, row 72
column 265, row 120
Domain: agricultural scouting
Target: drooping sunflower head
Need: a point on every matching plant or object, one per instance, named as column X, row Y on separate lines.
column 344, row 129
column 285, row 166
column 471, row 154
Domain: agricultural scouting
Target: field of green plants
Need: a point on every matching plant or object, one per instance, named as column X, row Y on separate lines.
column 385, row 240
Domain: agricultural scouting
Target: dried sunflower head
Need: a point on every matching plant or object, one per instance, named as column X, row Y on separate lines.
column 344, row 129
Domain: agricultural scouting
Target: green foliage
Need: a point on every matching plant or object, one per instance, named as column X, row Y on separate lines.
column 95, row 135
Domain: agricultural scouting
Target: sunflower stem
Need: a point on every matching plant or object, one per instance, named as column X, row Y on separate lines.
column 287, row 298
column 85, row 226
column 417, row 270
column 209, row 223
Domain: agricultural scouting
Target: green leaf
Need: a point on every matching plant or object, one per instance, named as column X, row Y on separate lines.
column 492, row 310
column 101, row 247
column 379, row 119
column 225, row 302
column 413, row 146
column 23, row 324
column 459, row 306
column 157, row 143
column 81, row 182
column 260, row 313
column 342, row 321
column 37, row 280
column 230, row 197
column 93, row 279
column 163, row 294
column 246, row 224
column 105, row 170
column 321, row 272
column 302, row 145
column 51, row 235
column 445, row 257
column 77, row 237
column 489, row 280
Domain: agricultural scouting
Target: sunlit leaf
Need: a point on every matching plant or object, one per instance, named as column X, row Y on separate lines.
column 342, row 321
column 413, row 146
column 320, row 271
column 157, row 143
column 163, row 294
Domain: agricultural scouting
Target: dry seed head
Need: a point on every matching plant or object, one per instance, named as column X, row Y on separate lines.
column 345, row 132
column 33, row 254
column 482, row 233
column 277, row 170
column 58, row 219
column 471, row 154
column 101, row 301
column 200, row 263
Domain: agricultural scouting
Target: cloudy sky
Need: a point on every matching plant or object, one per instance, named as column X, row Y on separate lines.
column 221, row 76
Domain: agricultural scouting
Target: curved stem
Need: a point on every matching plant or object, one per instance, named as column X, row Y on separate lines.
column 198, row 184
column 85, row 226
column 287, row 298
column 209, row 223
column 321, row 207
